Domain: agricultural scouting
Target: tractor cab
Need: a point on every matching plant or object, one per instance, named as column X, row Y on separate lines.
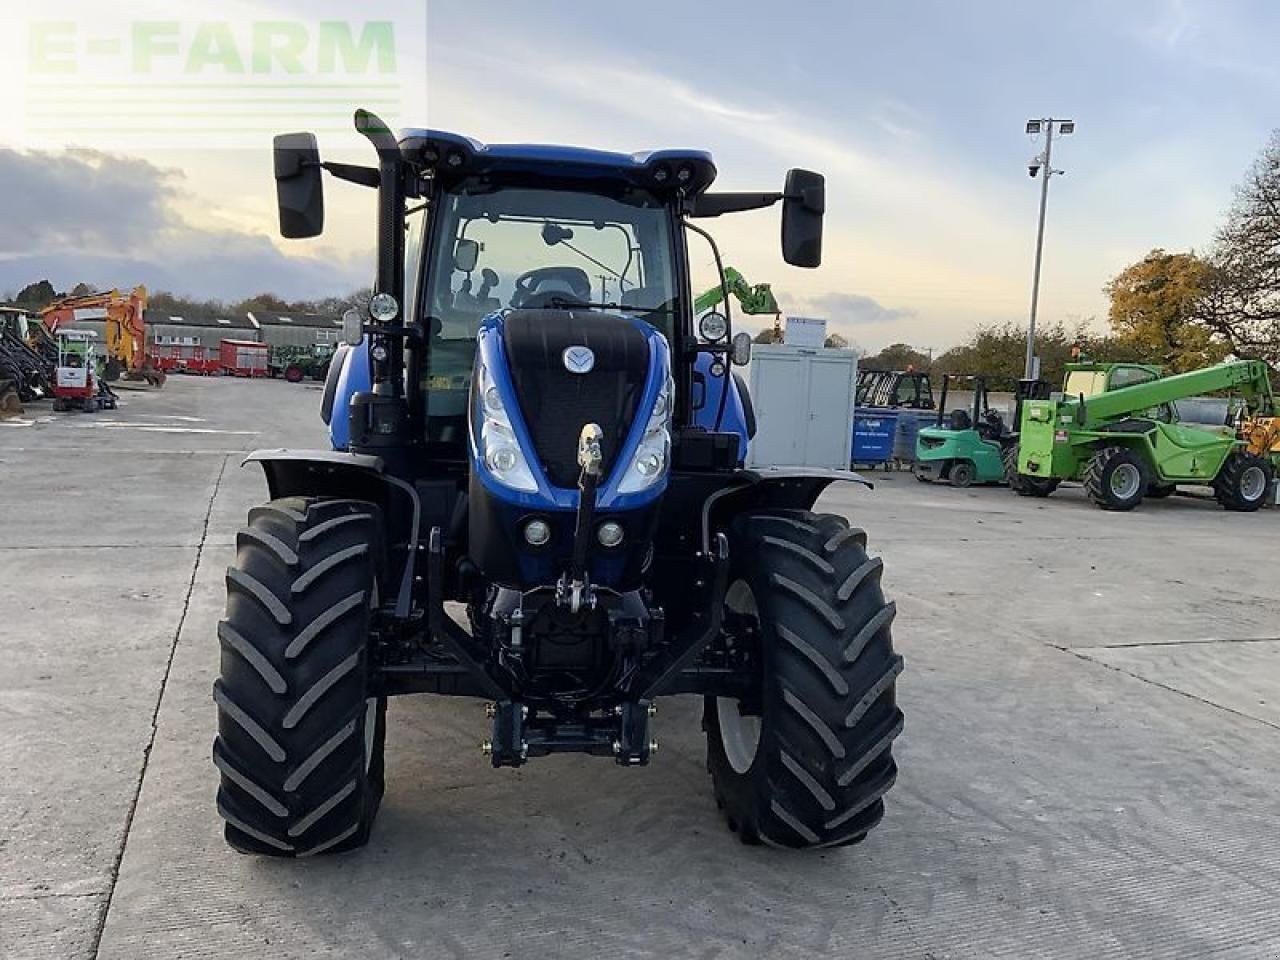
column 1088, row 379
column 76, row 381
column 896, row 389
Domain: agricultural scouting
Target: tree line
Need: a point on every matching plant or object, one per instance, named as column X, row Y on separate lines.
column 1181, row 310
column 41, row 293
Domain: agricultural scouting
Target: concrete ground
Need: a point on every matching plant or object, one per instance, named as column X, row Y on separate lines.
column 1090, row 766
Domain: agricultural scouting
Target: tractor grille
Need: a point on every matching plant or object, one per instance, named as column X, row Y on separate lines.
column 556, row 403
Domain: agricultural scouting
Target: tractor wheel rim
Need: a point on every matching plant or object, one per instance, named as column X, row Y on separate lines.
column 739, row 735
column 370, row 703
column 1126, row 480
column 1253, row 483
column 370, row 730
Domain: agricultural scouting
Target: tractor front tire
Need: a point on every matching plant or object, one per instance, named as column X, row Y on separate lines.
column 300, row 734
column 1116, row 478
column 808, row 763
column 1242, row 483
column 1023, row 484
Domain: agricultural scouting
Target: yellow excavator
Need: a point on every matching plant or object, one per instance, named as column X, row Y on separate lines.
column 126, row 334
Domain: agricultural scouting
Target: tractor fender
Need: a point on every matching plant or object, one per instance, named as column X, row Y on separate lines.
column 763, row 488
column 349, row 374
column 335, row 473
column 321, row 473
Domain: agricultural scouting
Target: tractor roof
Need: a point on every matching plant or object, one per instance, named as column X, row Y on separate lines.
column 453, row 156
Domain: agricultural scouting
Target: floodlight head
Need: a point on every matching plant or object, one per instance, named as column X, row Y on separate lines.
column 1033, row 169
column 1066, row 126
column 1033, row 126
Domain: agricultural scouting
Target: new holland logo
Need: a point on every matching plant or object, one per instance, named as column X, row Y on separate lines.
column 579, row 359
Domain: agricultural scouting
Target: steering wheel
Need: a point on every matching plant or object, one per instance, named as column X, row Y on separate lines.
column 538, row 288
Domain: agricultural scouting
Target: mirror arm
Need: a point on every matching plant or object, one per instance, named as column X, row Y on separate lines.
column 354, row 173
column 715, row 204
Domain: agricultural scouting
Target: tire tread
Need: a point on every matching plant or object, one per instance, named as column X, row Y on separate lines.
column 830, row 718
column 292, row 695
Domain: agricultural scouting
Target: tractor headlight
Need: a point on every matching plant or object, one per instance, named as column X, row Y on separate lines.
column 496, row 439
column 713, row 326
column 383, row 307
column 649, row 464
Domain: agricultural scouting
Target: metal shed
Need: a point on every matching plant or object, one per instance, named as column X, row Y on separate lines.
column 165, row 329
column 803, row 399
column 297, row 329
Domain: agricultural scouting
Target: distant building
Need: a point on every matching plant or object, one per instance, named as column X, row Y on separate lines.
column 165, row 329
column 297, row 329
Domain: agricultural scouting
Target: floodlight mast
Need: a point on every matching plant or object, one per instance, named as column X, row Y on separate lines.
column 1041, row 165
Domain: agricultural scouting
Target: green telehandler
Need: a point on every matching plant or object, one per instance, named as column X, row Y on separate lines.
column 754, row 298
column 1115, row 428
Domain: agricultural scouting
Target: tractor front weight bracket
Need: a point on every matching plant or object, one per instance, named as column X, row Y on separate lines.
column 441, row 626
column 704, row 628
column 519, row 734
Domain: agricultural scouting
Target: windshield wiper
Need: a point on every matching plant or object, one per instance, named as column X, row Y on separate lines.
column 565, row 303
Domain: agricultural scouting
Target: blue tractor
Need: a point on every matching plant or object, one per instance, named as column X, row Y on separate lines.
column 536, row 497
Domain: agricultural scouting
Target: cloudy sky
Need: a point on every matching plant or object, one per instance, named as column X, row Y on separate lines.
column 914, row 110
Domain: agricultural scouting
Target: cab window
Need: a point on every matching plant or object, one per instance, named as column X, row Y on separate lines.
column 517, row 247
column 1128, row 376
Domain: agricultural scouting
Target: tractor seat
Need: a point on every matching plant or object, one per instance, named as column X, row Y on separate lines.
column 960, row 420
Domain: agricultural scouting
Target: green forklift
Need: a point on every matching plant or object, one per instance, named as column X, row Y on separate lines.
column 964, row 446
column 976, row 445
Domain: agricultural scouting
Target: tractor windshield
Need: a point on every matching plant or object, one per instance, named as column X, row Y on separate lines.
column 534, row 248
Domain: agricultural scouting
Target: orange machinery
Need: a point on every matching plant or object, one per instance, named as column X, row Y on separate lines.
column 126, row 334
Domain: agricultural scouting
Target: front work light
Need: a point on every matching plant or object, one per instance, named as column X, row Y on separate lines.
column 383, row 307
column 713, row 326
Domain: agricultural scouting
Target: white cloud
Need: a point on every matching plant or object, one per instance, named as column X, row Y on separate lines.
column 114, row 221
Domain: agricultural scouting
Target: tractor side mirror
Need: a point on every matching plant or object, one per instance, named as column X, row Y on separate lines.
column 803, row 204
column 299, row 191
column 740, row 352
column 466, row 254
column 352, row 327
